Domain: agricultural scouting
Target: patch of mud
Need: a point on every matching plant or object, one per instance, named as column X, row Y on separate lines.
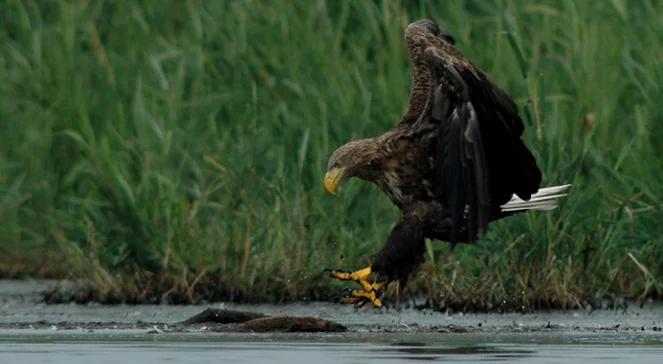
column 287, row 324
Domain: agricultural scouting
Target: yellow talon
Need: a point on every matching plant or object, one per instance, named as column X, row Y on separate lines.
column 370, row 290
column 370, row 296
column 359, row 275
column 357, row 296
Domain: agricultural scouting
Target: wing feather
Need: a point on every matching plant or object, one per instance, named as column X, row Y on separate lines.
column 480, row 160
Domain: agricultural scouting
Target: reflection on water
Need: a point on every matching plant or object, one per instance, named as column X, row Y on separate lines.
column 62, row 350
column 421, row 351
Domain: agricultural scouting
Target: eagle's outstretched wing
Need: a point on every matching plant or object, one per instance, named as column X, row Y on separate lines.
column 418, row 36
column 480, row 160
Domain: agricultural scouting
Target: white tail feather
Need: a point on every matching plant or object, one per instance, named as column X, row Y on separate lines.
column 544, row 199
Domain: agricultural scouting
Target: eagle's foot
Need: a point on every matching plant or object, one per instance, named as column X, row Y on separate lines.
column 359, row 298
column 370, row 291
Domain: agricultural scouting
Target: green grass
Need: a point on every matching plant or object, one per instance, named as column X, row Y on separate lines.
column 173, row 151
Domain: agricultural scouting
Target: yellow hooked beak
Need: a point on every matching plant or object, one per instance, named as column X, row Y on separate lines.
column 332, row 179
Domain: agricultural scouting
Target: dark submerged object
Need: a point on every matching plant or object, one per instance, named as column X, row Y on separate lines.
column 452, row 164
column 232, row 320
column 222, row 317
column 291, row 324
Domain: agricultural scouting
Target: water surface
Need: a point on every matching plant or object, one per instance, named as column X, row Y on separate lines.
column 31, row 332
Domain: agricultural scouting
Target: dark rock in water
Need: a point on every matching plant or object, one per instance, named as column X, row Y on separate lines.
column 291, row 324
column 251, row 321
column 222, row 317
column 455, row 329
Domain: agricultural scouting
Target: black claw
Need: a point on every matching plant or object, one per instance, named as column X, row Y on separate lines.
column 345, row 293
column 360, row 301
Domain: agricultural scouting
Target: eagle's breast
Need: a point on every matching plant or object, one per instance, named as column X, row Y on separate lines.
column 404, row 174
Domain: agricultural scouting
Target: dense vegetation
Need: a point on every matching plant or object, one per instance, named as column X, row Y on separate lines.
column 173, row 151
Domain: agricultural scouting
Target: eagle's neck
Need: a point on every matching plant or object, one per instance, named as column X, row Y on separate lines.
column 386, row 170
column 390, row 183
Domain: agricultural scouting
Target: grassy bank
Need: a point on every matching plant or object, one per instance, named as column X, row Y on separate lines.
column 174, row 151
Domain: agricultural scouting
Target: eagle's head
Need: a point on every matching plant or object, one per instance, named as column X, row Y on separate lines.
column 354, row 159
column 427, row 26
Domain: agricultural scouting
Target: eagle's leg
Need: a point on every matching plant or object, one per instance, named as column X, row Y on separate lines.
column 370, row 290
column 404, row 249
column 401, row 254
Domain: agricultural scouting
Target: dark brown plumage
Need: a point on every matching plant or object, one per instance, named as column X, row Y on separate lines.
column 451, row 162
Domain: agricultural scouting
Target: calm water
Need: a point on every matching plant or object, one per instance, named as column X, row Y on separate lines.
column 319, row 349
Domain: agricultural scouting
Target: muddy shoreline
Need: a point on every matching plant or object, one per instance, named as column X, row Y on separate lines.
column 165, row 328
column 22, row 311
